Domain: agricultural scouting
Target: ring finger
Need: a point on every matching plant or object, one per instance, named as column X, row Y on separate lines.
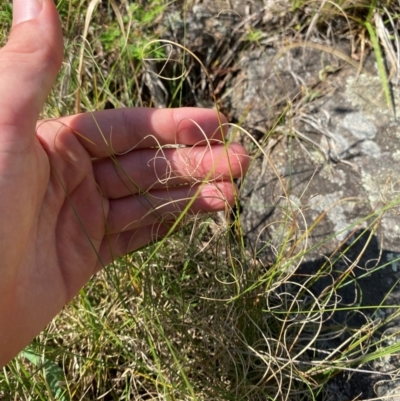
column 165, row 205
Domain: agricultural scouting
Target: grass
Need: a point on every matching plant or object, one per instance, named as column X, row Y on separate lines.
column 203, row 315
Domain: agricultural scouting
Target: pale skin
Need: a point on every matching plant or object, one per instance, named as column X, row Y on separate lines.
column 65, row 211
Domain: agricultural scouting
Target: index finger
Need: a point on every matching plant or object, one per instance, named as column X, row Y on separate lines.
column 118, row 131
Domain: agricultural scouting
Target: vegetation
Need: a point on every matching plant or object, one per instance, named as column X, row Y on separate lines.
column 202, row 315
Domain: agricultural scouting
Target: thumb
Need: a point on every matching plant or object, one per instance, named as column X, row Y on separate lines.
column 29, row 64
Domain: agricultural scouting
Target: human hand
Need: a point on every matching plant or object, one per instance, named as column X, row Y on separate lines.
column 79, row 191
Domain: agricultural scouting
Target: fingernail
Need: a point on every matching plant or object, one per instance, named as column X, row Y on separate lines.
column 25, row 10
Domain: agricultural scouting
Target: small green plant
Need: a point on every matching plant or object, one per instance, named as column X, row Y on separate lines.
column 5, row 21
column 254, row 35
column 140, row 21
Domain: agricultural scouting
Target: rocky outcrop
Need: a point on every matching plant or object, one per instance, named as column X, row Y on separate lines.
column 325, row 180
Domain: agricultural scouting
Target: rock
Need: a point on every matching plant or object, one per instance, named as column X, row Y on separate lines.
column 335, row 161
column 268, row 81
column 338, row 155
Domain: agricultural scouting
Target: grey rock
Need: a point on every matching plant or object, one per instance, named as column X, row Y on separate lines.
column 345, row 161
column 267, row 82
column 337, row 160
column 359, row 126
